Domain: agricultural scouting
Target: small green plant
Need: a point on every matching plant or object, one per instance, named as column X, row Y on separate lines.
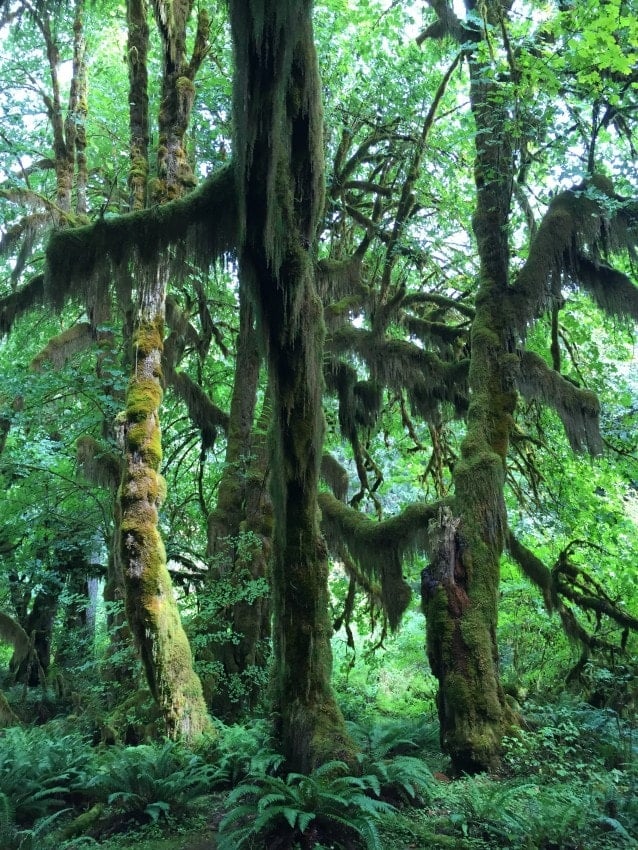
column 238, row 752
column 40, row 774
column 151, row 780
column 327, row 807
column 402, row 779
column 12, row 837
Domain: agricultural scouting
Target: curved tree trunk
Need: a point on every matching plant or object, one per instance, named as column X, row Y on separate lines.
column 150, row 603
column 279, row 146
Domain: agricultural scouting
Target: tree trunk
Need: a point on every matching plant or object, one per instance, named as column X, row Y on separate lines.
column 279, row 146
column 150, row 603
column 38, row 625
column 239, row 541
column 461, row 586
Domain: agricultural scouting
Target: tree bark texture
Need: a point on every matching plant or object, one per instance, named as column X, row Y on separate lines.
column 150, row 603
column 460, row 588
column 240, row 536
column 279, row 147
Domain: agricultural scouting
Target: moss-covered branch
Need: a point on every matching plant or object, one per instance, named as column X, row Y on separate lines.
column 613, row 291
column 201, row 227
column 566, row 581
column 379, row 548
column 580, row 225
column 578, row 409
column 335, row 476
column 203, row 412
column 21, row 302
column 534, row 569
column 98, row 464
column 65, row 345
column 400, row 364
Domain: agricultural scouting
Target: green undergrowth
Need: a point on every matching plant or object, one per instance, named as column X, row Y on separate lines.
column 569, row 781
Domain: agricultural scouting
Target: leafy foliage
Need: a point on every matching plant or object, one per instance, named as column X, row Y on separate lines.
column 40, row 774
column 151, row 780
column 326, row 806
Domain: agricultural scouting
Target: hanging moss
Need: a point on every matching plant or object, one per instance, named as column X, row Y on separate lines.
column 578, row 409
column 80, row 262
column 203, row 412
column 98, row 463
column 580, row 224
column 379, row 548
column 335, row 476
column 62, row 347
column 613, row 291
column 398, row 364
column 18, row 303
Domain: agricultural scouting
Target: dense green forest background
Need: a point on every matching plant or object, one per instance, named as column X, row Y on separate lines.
column 318, row 424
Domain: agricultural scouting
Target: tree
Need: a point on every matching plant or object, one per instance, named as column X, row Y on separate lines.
column 279, row 169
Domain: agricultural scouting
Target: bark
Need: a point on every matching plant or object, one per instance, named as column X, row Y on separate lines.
column 460, row 590
column 138, row 43
column 239, row 539
column 279, row 148
column 150, row 603
column 38, row 625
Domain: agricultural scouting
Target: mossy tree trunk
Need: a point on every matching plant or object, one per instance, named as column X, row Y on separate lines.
column 69, row 138
column 239, row 538
column 280, row 168
column 461, row 587
column 38, row 624
column 150, row 603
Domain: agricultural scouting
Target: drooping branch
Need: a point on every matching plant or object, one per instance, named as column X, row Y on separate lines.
column 580, row 224
column 21, row 302
column 569, row 582
column 65, row 345
column 379, row 548
column 81, row 261
column 98, row 463
column 203, row 412
column 335, row 476
column 613, row 291
column 400, row 364
column 578, row 409
column 535, row 570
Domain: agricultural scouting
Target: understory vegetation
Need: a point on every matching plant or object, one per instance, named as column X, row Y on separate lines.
column 569, row 780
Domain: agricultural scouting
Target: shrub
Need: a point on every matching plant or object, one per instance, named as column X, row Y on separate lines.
column 40, row 774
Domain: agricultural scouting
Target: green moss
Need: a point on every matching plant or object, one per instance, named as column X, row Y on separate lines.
column 145, row 439
column 148, row 338
column 144, row 397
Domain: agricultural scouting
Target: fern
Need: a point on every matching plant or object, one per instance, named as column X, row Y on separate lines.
column 14, row 838
column 40, row 774
column 404, row 779
column 328, row 805
column 152, row 780
column 385, row 739
column 239, row 752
